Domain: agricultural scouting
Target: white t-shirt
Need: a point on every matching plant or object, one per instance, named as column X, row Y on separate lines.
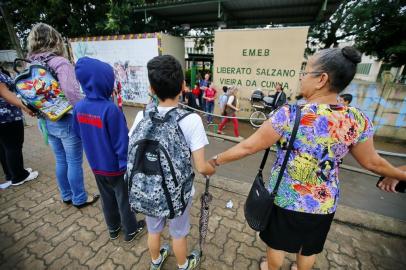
column 191, row 126
column 230, row 100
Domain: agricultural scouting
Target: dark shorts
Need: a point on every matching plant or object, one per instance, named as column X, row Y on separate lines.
column 293, row 231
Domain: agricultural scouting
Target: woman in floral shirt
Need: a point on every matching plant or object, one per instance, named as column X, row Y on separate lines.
column 309, row 191
column 12, row 135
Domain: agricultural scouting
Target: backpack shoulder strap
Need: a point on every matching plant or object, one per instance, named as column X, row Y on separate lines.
column 44, row 61
column 181, row 114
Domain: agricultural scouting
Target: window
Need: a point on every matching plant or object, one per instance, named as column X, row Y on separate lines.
column 363, row 69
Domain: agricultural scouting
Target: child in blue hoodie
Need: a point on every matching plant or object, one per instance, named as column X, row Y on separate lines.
column 104, row 133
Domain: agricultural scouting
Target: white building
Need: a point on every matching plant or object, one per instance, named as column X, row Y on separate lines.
column 190, row 47
column 370, row 68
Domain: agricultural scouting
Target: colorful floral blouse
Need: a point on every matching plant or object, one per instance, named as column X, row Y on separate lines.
column 8, row 112
column 310, row 182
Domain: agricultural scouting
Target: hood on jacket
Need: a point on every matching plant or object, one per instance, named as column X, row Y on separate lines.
column 95, row 77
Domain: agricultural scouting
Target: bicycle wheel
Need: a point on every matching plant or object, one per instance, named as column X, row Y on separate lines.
column 257, row 118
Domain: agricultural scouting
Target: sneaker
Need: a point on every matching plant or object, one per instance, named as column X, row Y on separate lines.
column 114, row 234
column 193, row 260
column 221, row 132
column 5, row 185
column 33, row 175
column 164, row 251
column 140, row 231
column 28, row 170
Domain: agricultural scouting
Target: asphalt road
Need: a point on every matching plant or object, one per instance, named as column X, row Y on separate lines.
column 357, row 189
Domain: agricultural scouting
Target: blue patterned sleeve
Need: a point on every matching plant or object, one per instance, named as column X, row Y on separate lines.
column 279, row 119
column 366, row 128
column 6, row 80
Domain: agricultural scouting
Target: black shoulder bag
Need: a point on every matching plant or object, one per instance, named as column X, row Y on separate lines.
column 259, row 203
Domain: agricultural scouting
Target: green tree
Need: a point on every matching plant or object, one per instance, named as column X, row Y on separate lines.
column 378, row 28
column 327, row 33
column 70, row 18
column 381, row 30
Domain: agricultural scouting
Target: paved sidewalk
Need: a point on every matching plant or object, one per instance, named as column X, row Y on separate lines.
column 37, row 231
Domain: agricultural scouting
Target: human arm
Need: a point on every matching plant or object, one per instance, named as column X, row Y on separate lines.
column 230, row 103
column 204, row 95
column 214, row 96
column 367, row 157
column 67, row 80
column 196, row 138
column 118, row 133
column 262, row 139
column 201, row 166
column 11, row 98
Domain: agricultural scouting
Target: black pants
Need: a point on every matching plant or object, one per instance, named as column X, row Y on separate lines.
column 116, row 208
column 11, row 151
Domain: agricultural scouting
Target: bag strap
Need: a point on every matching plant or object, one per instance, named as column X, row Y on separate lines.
column 289, row 149
column 261, row 167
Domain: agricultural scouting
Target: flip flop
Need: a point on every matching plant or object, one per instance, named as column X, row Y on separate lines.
column 293, row 266
column 95, row 198
column 262, row 260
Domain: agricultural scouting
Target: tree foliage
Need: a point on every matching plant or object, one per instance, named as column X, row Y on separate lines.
column 377, row 27
column 381, row 30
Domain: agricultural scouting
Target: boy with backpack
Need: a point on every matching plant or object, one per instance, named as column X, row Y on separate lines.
column 104, row 133
column 163, row 140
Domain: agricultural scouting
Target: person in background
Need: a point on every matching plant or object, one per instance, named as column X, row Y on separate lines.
column 345, row 99
column 230, row 110
column 46, row 44
column 210, row 96
column 12, row 135
column 196, row 92
column 204, row 84
column 190, row 99
column 223, row 100
column 279, row 97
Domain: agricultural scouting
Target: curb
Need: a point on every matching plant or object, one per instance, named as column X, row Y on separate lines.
column 344, row 214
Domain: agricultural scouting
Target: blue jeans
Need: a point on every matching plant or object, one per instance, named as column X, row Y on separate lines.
column 209, row 109
column 68, row 152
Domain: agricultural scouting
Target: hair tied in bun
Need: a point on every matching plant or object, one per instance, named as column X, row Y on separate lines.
column 351, row 54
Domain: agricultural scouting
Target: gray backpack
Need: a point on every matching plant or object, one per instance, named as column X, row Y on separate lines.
column 159, row 171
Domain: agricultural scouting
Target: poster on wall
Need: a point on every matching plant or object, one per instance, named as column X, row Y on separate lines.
column 252, row 59
column 128, row 57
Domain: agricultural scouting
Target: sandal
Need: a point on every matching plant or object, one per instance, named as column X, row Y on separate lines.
column 90, row 200
column 293, row 266
column 262, row 260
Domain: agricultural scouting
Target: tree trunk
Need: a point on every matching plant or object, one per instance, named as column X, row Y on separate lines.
column 11, row 32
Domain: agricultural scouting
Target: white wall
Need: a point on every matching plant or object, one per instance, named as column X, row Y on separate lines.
column 174, row 46
column 8, row 55
column 373, row 73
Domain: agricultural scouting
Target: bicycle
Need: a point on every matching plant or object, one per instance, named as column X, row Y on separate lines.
column 262, row 107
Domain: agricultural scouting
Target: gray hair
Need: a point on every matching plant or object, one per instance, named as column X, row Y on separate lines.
column 339, row 64
column 44, row 38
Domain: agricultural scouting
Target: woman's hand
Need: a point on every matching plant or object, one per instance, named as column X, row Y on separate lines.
column 388, row 184
column 28, row 111
column 212, row 166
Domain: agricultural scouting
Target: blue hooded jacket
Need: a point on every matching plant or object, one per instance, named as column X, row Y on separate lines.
column 98, row 121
